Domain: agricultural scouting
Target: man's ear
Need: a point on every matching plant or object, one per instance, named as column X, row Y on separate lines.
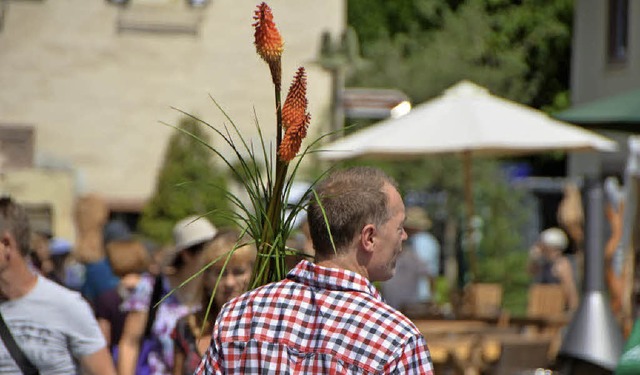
column 367, row 235
column 6, row 243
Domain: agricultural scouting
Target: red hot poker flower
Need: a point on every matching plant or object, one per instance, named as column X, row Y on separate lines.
column 268, row 40
column 295, row 105
column 295, row 118
column 293, row 140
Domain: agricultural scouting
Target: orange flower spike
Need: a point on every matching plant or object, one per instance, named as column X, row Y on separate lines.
column 295, row 118
column 268, row 41
column 295, row 105
column 292, row 141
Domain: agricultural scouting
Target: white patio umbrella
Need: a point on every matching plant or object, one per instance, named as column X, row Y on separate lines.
column 466, row 119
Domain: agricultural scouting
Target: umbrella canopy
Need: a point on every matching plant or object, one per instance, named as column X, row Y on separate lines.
column 466, row 118
column 620, row 112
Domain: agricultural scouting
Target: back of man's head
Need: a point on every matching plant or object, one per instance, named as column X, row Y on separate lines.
column 14, row 219
column 349, row 199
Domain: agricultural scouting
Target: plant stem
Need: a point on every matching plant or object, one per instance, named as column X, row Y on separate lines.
column 268, row 251
column 278, row 116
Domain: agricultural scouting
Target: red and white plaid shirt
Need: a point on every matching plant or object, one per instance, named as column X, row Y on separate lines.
column 317, row 321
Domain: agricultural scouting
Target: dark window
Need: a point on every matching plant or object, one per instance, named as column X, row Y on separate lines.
column 198, row 3
column 146, row 18
column 193, row 3
column 40, row 216
column 618, row 31
column 16, row 146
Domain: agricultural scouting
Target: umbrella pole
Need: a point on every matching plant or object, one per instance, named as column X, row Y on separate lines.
column 468, row 196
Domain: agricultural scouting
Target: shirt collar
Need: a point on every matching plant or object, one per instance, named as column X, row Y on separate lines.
column 311, row 274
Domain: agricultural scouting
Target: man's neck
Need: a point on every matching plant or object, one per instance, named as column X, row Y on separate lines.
column 346, row 262
column 17, row 281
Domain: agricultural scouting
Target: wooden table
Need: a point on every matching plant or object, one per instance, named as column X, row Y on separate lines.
column 454, row 343
column 453, row 352
column 468, row 346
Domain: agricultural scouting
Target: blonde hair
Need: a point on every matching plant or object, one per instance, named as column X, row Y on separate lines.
column 225, row 241
column 218, row 250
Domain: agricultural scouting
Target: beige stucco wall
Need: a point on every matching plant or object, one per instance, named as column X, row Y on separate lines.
column 592, row 77
column 44, row 187
column 96, row 96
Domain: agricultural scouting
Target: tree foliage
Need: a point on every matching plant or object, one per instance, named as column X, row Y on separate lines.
column 189, row 183
column 518, row 49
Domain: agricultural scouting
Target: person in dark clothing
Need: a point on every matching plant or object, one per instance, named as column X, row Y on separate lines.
column 128, row 260
column 548, row 265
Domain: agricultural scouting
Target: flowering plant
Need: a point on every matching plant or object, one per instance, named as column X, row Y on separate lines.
column 265, row 220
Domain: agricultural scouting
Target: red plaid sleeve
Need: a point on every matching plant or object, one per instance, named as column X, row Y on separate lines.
column 210, row 363
column 415, row 358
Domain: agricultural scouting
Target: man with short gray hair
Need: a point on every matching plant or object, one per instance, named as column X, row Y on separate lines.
column 50, row 327
column 327, row 317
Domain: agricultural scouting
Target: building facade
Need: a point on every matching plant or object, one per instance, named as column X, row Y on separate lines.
column 605, row 62
column 606, row 49
column 94, row 80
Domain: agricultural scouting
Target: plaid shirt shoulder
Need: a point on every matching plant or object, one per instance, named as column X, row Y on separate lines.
column 318, row 320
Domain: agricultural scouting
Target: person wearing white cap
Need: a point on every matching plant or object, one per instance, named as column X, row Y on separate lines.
column 146, row 345
column 550, row 266
column 67, row 270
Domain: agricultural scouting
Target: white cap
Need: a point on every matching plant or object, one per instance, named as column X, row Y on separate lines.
column 554, row 237
column 190, row 231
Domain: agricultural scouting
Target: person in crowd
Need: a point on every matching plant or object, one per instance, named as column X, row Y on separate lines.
column 146, row 341
column 128, row 259
column 52, row 326
column 59, row 252
column 91, row 219
column 414, row 269
column 99, row 274
column 548, row 265
column 327, row 316
column 192, row 334
column 41, row 256
column 426, row 247
column 67, row 270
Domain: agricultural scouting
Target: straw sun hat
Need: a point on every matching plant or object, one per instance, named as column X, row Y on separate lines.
column 190, row 231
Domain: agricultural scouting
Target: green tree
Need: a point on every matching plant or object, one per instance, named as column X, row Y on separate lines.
column 380, row 19
column 542, row 29
column 502, row 255
column 189, row 183
column 518, row 49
